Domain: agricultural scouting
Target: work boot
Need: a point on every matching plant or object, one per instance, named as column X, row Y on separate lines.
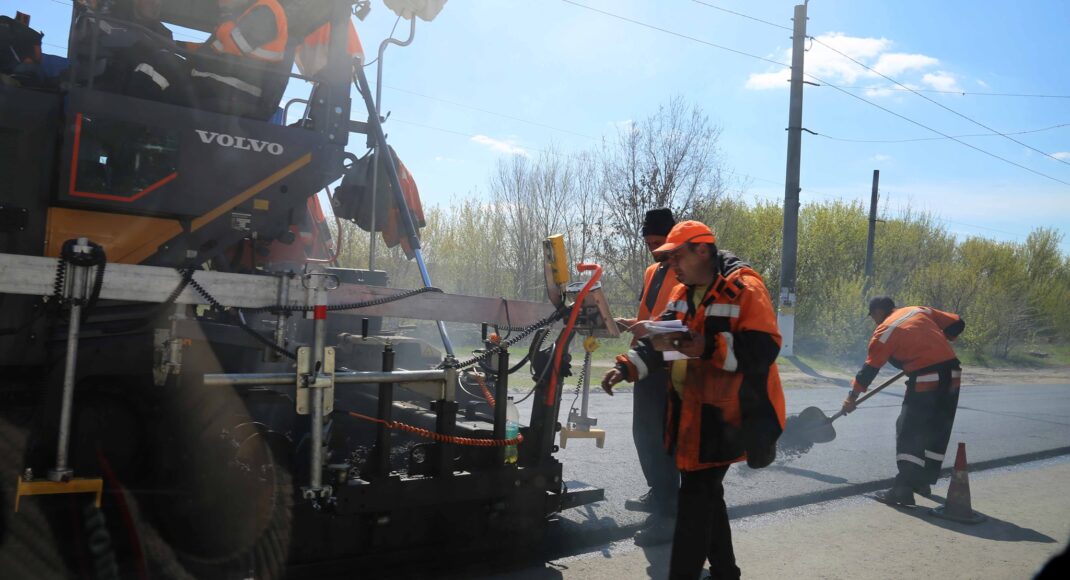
column 657, row 530
column 923, row 490
column 897, row 495
column 645, row 503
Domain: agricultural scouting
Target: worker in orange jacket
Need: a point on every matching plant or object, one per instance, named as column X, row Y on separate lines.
column 726, row 404
column 246, row 59
column 917, row 340
column 650, row 396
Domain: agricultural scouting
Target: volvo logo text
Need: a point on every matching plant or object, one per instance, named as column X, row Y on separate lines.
column 243, row 143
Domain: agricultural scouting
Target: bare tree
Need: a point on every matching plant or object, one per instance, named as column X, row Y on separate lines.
column 670, row 159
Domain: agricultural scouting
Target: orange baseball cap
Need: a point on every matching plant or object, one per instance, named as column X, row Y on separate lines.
column 689, row 231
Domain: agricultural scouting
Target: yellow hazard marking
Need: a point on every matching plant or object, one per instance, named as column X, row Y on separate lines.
column 93, row 485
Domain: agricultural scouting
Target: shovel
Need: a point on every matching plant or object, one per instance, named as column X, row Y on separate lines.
column 813, row 426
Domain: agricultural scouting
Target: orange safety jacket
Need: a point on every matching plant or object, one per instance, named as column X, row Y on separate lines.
column 734, row 386
column 658, row 282
column 260, row 33
column 311, row 54
column 916, row 340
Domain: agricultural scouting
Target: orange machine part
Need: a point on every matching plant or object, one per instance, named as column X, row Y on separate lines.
column 127, row 239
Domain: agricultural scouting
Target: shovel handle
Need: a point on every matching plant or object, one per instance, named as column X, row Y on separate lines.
column 876, row 390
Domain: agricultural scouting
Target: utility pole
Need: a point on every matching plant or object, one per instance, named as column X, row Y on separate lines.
column 872, row 227
column 786, row 312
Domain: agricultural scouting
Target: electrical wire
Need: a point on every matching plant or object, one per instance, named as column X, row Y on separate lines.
column 1059, row 126
column 823, row 82
column 939, row 104
column 673, row 33
column 715, row 7
column 966, row 93
column 962, row 93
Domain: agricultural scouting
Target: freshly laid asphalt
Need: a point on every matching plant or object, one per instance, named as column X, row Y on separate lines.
column 1000, row 424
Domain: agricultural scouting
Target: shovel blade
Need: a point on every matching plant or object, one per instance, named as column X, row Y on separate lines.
column 812, row 425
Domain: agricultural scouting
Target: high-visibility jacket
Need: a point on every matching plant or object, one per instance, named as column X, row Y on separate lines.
column 734, row 388
column 311, row 54
column 658, row 282
column 259, row 33
column 914, row 339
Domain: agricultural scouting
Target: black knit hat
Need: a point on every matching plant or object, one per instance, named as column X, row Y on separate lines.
column 658, row 222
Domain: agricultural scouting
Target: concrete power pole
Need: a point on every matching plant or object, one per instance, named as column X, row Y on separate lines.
column 872, row 227
column 786, row 312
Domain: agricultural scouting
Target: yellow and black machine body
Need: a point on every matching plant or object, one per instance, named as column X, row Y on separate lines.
column 165, row 341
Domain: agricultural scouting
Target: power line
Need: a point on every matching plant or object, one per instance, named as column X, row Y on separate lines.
column 941, row 138
column 962, row 93
column 788, row 28
column 965, row 93
column 489, row 112
column 937, row 103
column 826, row 83
column 673, row 33
column 938, row 132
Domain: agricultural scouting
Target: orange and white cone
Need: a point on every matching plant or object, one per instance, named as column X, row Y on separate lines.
column 957, row 507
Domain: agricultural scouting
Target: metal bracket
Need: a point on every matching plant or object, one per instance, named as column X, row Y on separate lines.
column 27, row 487
column 324, row 379
column 168, row 351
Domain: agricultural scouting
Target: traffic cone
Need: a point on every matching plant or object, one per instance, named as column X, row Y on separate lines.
column 957, row 507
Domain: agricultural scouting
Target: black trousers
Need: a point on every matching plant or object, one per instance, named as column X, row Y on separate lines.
column 702, row 529
column 649, row 401
column 923, row 431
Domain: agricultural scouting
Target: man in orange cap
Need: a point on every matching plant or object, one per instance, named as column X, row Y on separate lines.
column 725, row 399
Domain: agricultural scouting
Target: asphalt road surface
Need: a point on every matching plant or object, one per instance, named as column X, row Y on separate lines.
column 1000, row 424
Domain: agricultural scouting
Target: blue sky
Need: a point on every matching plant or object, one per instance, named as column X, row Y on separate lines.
column 559, row 75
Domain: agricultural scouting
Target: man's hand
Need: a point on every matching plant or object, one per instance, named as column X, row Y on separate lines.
column 850, row 404
column 612, row 377
column 631, row 325
column 682, row 342
column 669, row 341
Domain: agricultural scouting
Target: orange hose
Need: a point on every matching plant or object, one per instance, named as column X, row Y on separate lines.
column 428, row 434
column 486, row 391
column 551, row 393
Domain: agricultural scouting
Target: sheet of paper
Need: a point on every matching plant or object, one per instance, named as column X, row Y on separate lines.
column 664, row 326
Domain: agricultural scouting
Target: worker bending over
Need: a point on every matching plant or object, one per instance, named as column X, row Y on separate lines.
column 915, row 339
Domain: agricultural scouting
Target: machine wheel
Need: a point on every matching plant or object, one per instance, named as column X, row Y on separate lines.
column 225, row 498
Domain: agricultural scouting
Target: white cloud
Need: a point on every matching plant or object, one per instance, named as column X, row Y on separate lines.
column 982, row 83
column 1062, row 155
column 770, row 80
column 897, row 63
column 507, row 147
column 881, row 158
column 835, row 68
column 941, row 81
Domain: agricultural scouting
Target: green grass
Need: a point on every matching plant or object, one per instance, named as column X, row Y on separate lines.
column 1058, row 356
